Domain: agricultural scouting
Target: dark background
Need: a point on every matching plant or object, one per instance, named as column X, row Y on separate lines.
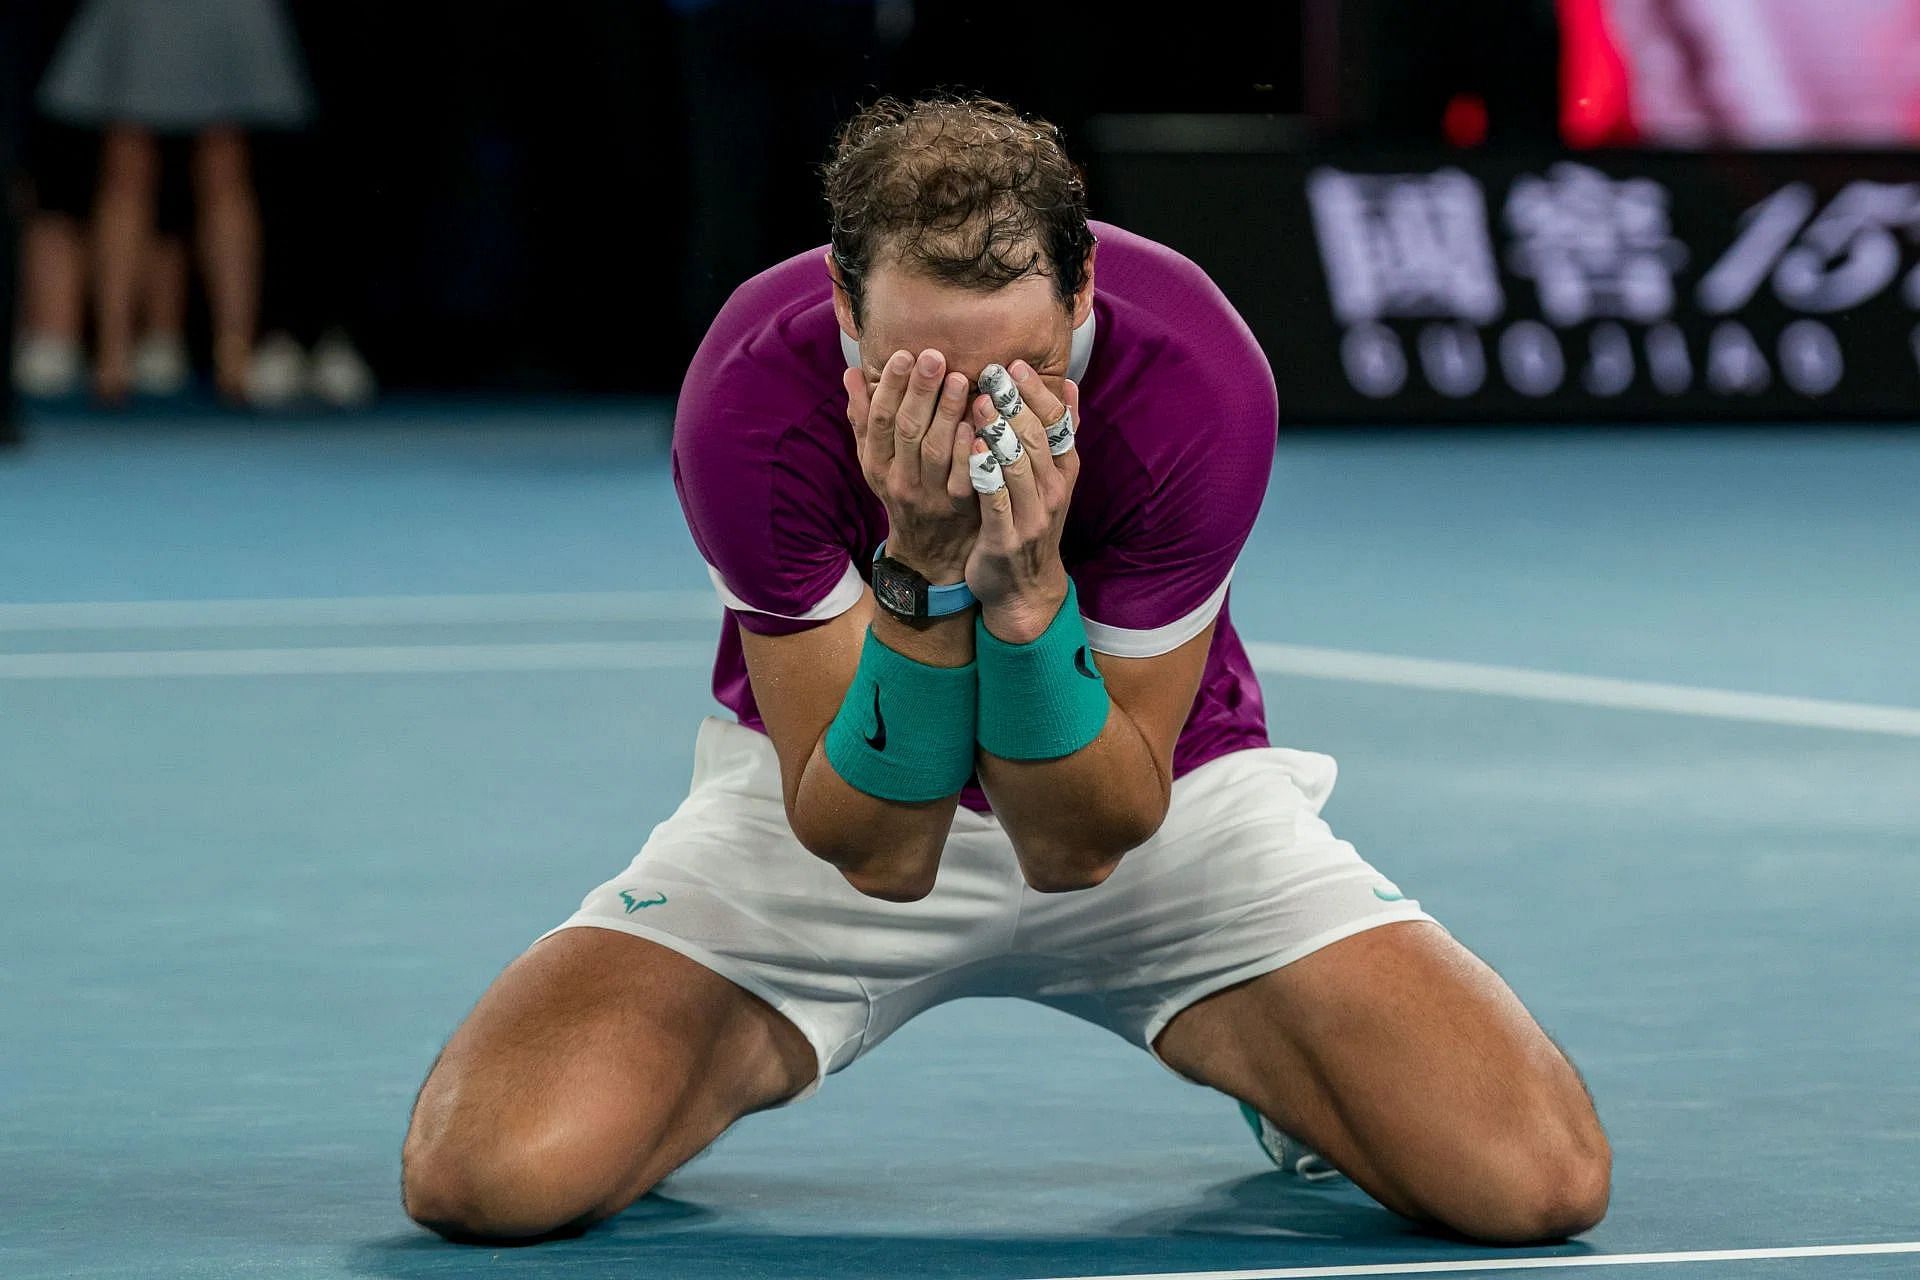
column 556, row 196
column 506, row 196
column 502, row 194
column 519, row 182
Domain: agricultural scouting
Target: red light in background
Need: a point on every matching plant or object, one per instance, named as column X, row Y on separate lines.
column 1465, row 120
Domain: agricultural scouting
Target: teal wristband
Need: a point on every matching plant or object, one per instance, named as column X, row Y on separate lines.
column 905, row 730
column 1042, row 700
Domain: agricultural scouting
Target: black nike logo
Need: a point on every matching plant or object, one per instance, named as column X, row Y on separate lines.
column 1082, row 662
column 878, row 739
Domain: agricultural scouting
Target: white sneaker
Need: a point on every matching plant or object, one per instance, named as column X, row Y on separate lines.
column 47, row 367
column 278, row 374
column 160, row 365
column 339, row 374
column 1287, row 1152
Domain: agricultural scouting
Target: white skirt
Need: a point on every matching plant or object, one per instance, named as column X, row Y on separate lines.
column 178, row 66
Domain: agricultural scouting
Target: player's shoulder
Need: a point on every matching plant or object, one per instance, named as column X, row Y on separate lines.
column 1170, row 339
column 1168, row 311
column 773, row 351
column 1133, row 263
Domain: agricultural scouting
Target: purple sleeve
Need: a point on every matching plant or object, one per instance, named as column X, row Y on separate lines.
column 1202, row 437
column 766, row 499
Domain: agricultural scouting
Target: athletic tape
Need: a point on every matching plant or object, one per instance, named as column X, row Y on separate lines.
column 984, row 470
column 1060, row 434
column 998, row 384
column 1003, row 440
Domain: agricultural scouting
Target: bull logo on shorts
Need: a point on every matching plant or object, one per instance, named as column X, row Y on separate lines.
column 634, row 904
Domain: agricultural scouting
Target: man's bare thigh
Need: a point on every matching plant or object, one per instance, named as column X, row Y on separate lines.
column 1404, row 1059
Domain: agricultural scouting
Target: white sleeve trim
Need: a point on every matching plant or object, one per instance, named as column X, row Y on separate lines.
column 845, row 594
column 1124, row 642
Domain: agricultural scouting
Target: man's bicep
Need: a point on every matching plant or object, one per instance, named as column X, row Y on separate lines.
column 1157, row 693
column 799, row 681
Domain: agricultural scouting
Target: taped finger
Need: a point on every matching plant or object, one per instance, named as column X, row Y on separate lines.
column 1060, row 434
column 1003, row 440
column 997, row 383
column 984, row 471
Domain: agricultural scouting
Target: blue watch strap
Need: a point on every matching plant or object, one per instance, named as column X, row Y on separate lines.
column 944, row 601
column 941, row 601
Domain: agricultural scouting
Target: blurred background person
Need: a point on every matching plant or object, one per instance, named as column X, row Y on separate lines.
column 315, row 193
column 48, row 170
column 142, row 70
column 13, row 78
column 12, row 128
column 161, row 365
column 57, row 174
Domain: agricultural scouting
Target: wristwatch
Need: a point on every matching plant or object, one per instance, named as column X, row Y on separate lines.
column 906, row 595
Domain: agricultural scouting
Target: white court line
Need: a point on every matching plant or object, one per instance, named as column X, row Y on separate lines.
column 356, row 660
column 579, row 606
column 699, row 606
column 1527, row 1264
column 1589, row 691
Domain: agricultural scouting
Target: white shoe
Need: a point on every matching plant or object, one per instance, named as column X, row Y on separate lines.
column 47, row 367
column 160, row 365
column 1289, row 1153
column 339, row 374
column 278, row 374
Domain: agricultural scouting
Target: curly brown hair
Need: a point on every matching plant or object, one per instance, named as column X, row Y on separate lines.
column 963, row 188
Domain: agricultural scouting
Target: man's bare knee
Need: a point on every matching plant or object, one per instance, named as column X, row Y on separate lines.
column 1549, row 1199
column 1549, row 1185
column 595, row 1065
column 471, row 1170
column 499, row 1188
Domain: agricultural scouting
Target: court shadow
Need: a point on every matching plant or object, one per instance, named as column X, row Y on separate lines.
column 1268, row 1220
column 1273, row 1205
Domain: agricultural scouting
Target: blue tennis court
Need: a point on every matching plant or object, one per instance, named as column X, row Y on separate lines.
column 308, row 727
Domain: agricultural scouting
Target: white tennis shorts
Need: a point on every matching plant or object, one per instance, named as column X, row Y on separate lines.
column 1242, row 878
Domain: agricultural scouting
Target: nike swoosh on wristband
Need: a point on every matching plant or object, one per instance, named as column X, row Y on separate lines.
column 1083, row 665
column 878, row 739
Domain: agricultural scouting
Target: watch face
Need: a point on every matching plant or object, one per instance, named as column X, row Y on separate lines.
column 894, row 591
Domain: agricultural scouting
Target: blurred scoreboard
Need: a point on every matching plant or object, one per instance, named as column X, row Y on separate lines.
column 1477, row 286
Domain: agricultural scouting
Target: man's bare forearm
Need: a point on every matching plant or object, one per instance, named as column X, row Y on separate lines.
column 885, row 848
column 1072, row 818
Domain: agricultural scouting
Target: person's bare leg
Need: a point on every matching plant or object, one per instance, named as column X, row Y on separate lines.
column 228, row 227
column 1405, row 1061
column 593, row 1067
column 53, row 282
column 163, row 294
column 122, row 227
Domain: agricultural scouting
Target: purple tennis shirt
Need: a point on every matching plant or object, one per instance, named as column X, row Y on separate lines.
column 1177, row 442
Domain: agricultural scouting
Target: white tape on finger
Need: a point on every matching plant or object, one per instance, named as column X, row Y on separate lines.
column 998, row 385
column 1060, row 434
column 1003, row 440
column 984, row 470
